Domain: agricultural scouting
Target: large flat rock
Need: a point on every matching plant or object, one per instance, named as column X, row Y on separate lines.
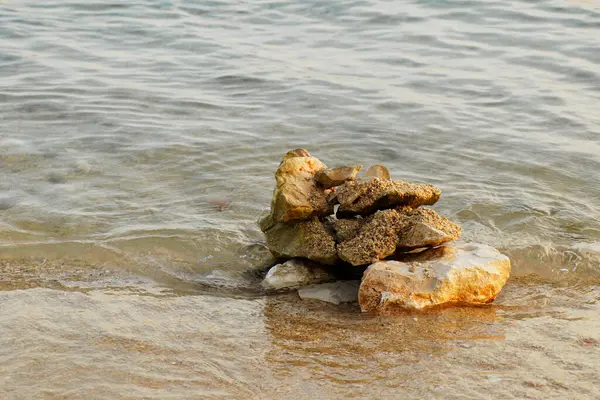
column 364, row 197
column 463, row 274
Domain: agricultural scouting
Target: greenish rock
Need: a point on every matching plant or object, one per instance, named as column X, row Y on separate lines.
column 302, row 239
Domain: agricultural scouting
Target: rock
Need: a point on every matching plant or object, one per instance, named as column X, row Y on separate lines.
column 366, row 197
column 346, row 229
column 304, row 239
column 296, row 195
column 376, row 240
column 378, row 171
column 389, row 230
column 463, row 274
column 295, row 153
column 330, row 177
column 334, row 292
column 295, row 273
column 426, row 228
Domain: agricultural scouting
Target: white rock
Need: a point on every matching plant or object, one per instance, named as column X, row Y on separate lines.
column 467, row 273
column 295, row 273
column 334, row 292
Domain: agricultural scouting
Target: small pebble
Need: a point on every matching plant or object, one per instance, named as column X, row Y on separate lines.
column 83, row 167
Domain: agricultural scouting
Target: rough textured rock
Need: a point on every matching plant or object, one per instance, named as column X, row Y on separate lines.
column 366, row 197
column 303, row 239
column 334, row 292
column 346, row 229
column 378, row 171
column 330, row 177
column 388, row 230
column 463, row 274
column 296, row 195
column 294, row 274
column 376, row 240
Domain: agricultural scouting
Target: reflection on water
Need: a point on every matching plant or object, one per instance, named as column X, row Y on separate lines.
column 137, row 147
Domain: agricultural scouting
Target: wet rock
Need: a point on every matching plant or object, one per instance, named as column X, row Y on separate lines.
column 304, row 239
column 366, row 197
column 330, row 177
column 334, row 292
column 296, row 195
column 388, row 230
column 378, row 171
column 294, row 274
column 463, row 274
column 346, row 229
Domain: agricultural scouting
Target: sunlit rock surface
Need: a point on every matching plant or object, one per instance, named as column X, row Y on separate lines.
column 462, row 274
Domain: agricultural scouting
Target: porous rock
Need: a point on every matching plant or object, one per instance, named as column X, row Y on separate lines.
column 346, row 229
column 295, row 273
column 364, row 197
column 330, row 177
column 334, row 292
column 467, row 273
column 389, row 230
column 304, row 239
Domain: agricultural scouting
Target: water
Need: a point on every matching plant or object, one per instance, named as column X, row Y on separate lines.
column 137, row 146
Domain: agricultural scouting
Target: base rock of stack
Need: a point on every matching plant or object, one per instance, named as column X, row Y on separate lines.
column 302, row 239
column 463, row 274
column 367, row 196
column 390, row 230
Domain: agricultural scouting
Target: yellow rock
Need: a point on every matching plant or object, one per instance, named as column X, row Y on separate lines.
column 297, row 196
column 463, row 274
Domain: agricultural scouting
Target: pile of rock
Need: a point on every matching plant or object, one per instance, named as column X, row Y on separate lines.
column 332, row 217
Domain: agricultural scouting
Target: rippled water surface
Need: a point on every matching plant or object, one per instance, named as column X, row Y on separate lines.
column 137, row 146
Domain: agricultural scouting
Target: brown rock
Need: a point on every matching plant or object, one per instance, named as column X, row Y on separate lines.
column 376, row 240
column 346, row 229
column 388, row 230
column 378, row 171
column 302, row 239
column 330, row 177
column 463, row 274
column 296, row 196
column 366, row 197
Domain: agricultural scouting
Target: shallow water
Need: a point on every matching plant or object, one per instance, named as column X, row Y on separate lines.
column 137, row 146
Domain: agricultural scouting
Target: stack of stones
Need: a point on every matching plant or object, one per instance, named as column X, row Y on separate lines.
column 332, row 217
